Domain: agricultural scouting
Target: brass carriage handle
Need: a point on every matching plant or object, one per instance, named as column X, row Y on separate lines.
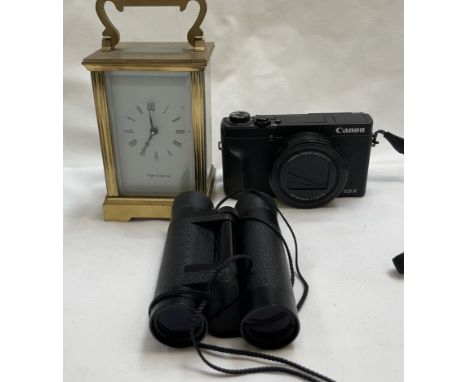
column 111, row 35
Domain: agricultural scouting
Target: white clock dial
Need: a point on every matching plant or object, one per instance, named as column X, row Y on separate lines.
column 156, row 131
column 151, row 125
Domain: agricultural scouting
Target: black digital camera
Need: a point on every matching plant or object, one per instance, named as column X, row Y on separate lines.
column 305, row 160
column 252, row 298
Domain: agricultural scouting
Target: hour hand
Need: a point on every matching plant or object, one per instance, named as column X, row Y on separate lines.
column 143, row 150
column 147, row 143
column 153, row 132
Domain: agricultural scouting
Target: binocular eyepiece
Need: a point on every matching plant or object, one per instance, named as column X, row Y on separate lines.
column 250, row 297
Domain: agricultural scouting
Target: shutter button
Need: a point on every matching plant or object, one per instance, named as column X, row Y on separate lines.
column 262, row 121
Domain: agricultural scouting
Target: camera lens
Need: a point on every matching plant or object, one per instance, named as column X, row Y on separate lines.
column 270, row 327
column 170, row 323
column 308, row 172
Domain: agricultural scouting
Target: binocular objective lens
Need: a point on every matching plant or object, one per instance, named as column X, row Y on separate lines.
column 175, row 320
column 171, row 325
column 270, row 327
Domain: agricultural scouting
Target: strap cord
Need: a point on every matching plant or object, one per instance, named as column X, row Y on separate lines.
column 398, row 144
column 293, row 369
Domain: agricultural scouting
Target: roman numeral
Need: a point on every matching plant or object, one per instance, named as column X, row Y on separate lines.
column 177, row 143
column 180, row 131
column 139, row 110
column 143, row 150
column 175, row 120
column 170, row 154
column 130, row 131
column 150, row 106
column 133, row 143
column 166, row 109
column 156, row 155
column 130, row 118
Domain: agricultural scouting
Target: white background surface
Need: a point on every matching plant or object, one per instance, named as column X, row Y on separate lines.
column 276, row 56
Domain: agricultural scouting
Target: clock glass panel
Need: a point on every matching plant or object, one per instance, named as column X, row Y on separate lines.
column 151, row 127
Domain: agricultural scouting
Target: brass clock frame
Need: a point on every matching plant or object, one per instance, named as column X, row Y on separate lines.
column 155, row 57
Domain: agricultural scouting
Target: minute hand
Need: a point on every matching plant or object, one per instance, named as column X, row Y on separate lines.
column 153, row 127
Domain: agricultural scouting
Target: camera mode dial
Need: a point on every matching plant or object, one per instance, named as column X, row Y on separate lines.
column 239, row 117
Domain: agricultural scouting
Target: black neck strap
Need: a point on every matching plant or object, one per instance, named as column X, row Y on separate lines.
column 398, row 144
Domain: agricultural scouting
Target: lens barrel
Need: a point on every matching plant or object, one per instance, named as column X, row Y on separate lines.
column 308, row 171
column 186, row 244
column 268, row 310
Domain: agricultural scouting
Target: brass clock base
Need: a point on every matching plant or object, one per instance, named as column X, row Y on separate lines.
column 124, row 209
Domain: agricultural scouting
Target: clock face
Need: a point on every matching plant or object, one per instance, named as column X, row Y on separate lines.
column 151, row 127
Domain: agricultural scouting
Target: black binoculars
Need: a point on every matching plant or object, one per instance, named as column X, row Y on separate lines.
column 252, row 297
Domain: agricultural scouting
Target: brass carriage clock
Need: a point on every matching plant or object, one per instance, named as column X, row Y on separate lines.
column 153, row 110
